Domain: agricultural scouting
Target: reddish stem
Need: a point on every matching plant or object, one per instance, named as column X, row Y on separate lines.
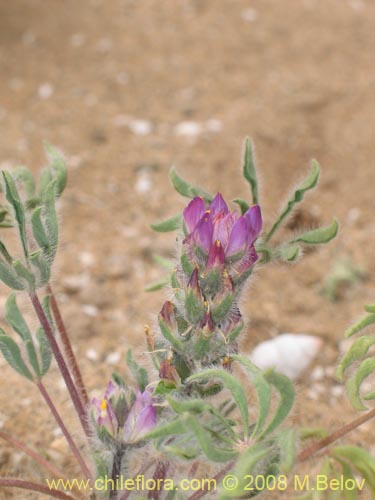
column 29, row 485
column 65, row 431
column 60, row 362
column 31, row 453
column 67, row 346
column 342, row 431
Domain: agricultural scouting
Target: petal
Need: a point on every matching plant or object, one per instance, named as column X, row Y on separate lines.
column 203, row 233
column 216, row 256
column 253, row 217
column 193, row 213
column 238, row 237
column 146, row 421
column 223, row 224
column 218, row 205
column 249, row 258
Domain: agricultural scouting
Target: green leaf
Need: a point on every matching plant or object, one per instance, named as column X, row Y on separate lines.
column 39, row 232
column 138, row 372
column 157, row 285
column 45, row 351
column 287, row 439
column 319, row 235
column 245, row 465
column 23, row 174
column 286, row 390
column 171, row 224
column 14, row 199
column 370, row 308
column 40, row 262
column 44, row 180
column 234, row 387
column 33, row 359
column 207, row 442
column 354, row 383
column 166, row 430
column 168, row 335
column 12, row 355
column 361, row 460
column 4, row 252
column 364, row 322
column 186, row 189
column 290, row 253
column 244, row 206
column 51, row 218
column 10, row 278
column 249, row 171
column 309, row 183
column 262, row 388
column 15, row 319
column 23, row 273
column 58, row 167
column 356, row 351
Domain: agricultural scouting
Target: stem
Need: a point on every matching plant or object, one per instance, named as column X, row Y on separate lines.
column 31, row 453
column 60, row 362
column 342, row 431
column 116, row 469
column 219, row 475
column 141, row 472
column 159, row 474
column 29, row 485
column 67, row 346
column 65, row 431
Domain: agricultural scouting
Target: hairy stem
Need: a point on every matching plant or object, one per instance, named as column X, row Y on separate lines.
column 33, row 454
column 159, row 475
column 60, row 362
column 342, row 431
column 29, row 485
column 116, row 470
column 67, row 346
column 64, row 430
column 201, row 493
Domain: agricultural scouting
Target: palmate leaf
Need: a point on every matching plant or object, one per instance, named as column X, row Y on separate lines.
column 262, row 388
column 234, row 387
column 12, row 355
column 186, row 189
column 285, row 389
column 171, row 224
column 14, row 199
column 318, row 236
column 357, row 351
column 353, row 384
column 249, row 173
column 309, row 183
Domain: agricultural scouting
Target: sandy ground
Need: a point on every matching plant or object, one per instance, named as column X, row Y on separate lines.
column 111, row 83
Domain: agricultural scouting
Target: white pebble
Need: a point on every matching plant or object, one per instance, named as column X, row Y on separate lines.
column 188, row 129
column 317, row 373
column 140, row 127
column 249, row 15
column 92, row 354
column 289, row 354
column 143, row 184
column 87, row 259
column 113, row 358
column 337, row 391
column 90, row 310
column 45, row 91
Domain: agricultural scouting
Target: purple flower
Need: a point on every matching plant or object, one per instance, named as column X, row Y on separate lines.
column 223, row 234
column 103, row 413
column 141, row 418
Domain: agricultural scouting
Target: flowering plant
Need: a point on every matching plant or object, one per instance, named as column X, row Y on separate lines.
column 189, row 416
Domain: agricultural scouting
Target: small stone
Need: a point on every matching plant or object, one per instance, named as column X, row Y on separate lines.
column 143, row 184
column 87, row 259
column 45, row 91
column 337, row 391
column 75, row 282
column 188, row 129
column 92, row 354
column 90, row 310
column 113, row 358
column 317, row 373
column 140, row 127
column 249, row 14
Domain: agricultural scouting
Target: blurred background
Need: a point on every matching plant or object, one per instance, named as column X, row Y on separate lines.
column 128, row 88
